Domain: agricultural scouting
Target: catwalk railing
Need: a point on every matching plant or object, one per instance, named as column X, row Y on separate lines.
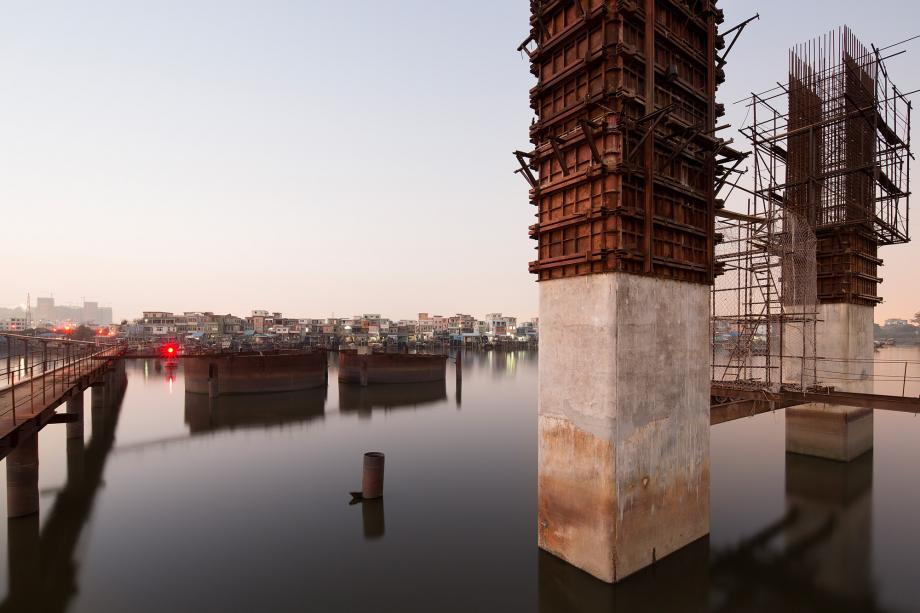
column 37, row 371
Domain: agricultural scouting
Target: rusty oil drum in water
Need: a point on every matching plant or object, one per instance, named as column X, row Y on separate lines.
column 372, row 481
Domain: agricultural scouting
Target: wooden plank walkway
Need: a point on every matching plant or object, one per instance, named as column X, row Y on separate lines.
column 30, row 403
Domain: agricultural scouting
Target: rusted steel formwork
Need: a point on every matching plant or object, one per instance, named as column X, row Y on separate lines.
column 624, row 148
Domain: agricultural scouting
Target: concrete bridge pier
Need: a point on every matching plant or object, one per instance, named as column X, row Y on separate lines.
column 845, row 349
column 22, row 478
column 623, row 467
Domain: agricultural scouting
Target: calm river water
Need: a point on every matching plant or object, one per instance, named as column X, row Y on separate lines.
column 244, row 507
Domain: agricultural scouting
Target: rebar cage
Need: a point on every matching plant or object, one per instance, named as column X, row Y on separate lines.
column 830, row 165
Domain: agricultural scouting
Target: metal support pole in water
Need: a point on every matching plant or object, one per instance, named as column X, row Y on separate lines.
column 97, row 408
column 213, row 381
column 22, row 478
column 372, row 479
column 75, row 440
column 44, row 368
column 75, row 407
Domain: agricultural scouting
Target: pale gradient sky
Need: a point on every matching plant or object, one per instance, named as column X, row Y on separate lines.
column 310, row 157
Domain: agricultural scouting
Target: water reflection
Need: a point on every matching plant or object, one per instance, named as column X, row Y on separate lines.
column 372, row 519
column 679, row 583
column 43, row 561
column 256, row 518
column 204, row 414
column 389, row 397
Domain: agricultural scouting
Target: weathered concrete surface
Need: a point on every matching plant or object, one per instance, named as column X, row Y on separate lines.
column 623, row 420
column 254, row 373
column 390, row 368
column 845, row 350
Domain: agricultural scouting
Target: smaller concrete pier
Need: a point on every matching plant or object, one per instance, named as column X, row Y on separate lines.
column 844, row 344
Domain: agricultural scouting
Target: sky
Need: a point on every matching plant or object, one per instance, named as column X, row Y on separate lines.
column 309, row 157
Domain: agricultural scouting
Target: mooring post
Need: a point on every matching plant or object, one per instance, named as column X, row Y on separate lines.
column 372, row 479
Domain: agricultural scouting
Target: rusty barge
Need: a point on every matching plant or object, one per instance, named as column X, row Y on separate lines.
column 373, row 368
column 255, row 372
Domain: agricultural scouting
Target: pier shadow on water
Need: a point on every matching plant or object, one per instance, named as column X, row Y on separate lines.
column 44, row 554
column 815, row 557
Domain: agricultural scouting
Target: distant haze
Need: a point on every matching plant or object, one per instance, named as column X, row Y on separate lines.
column 309, row 157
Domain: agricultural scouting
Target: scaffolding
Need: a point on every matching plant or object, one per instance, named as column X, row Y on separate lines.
column 831, row 156
column 764, row 304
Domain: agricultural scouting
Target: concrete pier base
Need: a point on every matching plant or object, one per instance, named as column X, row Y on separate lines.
column 623, row 420
column 829, row 431
column 845, row 352
column 22, row 478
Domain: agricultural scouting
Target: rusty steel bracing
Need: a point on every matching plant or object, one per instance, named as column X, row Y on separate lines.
column 625, row 145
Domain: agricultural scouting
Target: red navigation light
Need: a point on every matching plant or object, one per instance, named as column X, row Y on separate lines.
column 170, row 350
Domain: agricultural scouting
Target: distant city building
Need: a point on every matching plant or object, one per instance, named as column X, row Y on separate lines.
column 896, row 322
column 500, row 325
column 265, row 327
column 46, row 311
column 14, row 324
column 158, row 323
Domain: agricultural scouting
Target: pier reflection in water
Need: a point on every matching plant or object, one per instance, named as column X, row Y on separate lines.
column 255, row 515
column 364, row 400
column 227, row 412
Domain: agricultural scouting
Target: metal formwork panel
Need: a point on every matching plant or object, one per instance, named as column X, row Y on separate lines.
column 848, row 266
column 623, row 158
